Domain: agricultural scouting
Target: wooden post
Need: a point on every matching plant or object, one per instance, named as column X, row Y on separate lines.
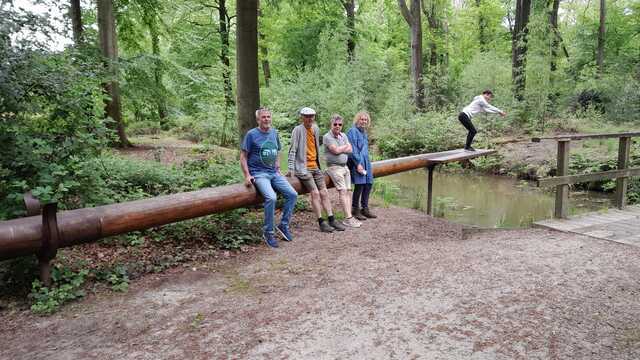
column 562, row 191
column 430, row 189
column 623, row 162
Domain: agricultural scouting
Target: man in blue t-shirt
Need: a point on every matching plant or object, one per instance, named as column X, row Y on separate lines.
column 260, row 164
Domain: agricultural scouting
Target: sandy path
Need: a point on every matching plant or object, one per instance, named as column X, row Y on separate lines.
column 403, row 287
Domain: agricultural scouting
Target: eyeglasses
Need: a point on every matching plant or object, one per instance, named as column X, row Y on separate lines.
column 337, row 124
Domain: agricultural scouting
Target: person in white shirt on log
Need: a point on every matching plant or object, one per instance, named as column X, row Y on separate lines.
column 479, row 104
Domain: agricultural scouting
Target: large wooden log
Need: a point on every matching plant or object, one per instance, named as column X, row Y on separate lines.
column 23, row 236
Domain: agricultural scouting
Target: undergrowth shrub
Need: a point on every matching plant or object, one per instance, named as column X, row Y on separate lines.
column 422, row 132
column 66, row 285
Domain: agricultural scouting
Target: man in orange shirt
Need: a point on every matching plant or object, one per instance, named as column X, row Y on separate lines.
column 304, row 163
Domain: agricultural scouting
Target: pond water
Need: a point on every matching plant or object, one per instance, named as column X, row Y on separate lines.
column 483, row 200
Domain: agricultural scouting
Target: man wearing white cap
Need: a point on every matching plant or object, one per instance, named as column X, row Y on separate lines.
column 304, row 163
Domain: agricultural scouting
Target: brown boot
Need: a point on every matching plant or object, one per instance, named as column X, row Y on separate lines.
column 356, row 214
column 367, row 213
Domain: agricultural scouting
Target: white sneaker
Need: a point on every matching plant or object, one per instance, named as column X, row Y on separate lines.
column 351, row 222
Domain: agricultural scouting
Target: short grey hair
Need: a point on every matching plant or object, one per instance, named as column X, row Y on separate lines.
column 260, row 111
column 334, row 118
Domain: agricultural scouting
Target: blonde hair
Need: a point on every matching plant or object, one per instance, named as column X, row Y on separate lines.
column 359, row 115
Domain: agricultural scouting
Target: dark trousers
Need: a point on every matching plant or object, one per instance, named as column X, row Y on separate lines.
column 466, row 122
column 360, row 197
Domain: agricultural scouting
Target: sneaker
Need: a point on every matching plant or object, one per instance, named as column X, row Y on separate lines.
column 284, row 232
column 324, row 227
column 270, row 240
column 367, row 213
column 469, row 148
column 336, row 225
column 352, row 222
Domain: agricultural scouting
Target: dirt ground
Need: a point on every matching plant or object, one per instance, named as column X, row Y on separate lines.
column 404, row 286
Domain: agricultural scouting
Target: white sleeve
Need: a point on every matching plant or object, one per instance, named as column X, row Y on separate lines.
column 489, row 108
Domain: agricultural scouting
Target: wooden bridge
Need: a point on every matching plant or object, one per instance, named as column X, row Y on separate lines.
column 620, row 225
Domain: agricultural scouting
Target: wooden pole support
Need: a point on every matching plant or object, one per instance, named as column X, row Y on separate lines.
column 623, row 162
column 562, row 191
column 430, row 189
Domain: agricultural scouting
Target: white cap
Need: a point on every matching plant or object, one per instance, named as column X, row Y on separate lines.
column 307, row 111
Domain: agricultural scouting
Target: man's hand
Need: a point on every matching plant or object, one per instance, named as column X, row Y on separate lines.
column 503, row 114
column 289, row 173
column 248, row 181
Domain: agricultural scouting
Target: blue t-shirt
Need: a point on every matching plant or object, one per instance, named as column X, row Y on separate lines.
column 262, row 150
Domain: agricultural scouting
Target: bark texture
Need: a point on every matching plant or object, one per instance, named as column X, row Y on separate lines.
column 109, row 47
column 248, row 89
column 519, row 47
column 413, row 17
column 350, row 8
column 601, row 37
column 75, row 13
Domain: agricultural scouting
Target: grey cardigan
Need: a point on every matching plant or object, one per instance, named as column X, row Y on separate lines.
column 297, row 161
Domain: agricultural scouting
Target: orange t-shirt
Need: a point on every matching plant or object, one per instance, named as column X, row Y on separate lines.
column 312, row 152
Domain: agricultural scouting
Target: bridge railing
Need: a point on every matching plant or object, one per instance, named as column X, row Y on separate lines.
column 563, row 179
column 45, row 230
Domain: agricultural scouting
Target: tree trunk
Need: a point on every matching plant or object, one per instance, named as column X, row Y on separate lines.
column 434, row 11
column 482, row 27
column 555, row 41
column 223, row 30
column 264, row 52
column 158, row 72
column 248, row 87
column 266, row 68
column 519, row 47
column 109, row 48
column 554, row 94
column 75, row 12
column 413, row 18
column 350, row 8
column 601, row 38
column 431, row 13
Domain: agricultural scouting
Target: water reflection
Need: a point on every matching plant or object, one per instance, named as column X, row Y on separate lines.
column 487, row 201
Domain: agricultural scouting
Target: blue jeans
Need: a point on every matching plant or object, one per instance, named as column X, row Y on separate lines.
column 267, row 184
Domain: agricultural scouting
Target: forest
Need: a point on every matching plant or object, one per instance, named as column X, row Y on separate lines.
column 82, row 81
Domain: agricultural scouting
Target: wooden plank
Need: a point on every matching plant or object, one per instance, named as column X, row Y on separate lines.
column 633, row 209
column 611, row 218
column 620, row 226
column 460, row 155
column 586, row 136
column 562, row 191
column 623, row 163
column 581, row 178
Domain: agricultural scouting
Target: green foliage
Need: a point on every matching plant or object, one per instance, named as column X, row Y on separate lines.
column 423, row 132
column 486, row 71
column 117, row 277
column 229, row 230
column 591, row 160
column 66, row 286
column 50, row 119
column 340, row 87
column 386, row 190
